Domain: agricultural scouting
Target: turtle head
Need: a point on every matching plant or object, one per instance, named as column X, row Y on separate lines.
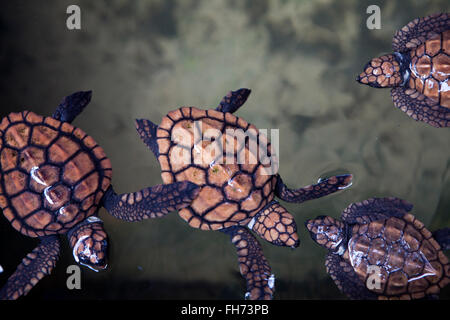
column 89, row 243
column 327, row 231
column 382, row 72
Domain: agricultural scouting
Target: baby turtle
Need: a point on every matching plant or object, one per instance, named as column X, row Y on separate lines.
column 53, row 178
column 418, row 70
column 236, row 168
column 379, row 250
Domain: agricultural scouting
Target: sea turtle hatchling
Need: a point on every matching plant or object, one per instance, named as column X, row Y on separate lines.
column 213, row 149
column 53, row 178
column 378, row 250
column 418, row 71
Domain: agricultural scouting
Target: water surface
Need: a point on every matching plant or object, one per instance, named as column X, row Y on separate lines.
column 300, row 58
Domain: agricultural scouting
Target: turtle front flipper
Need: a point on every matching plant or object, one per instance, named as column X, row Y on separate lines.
column 147, row 132
column 420, row 108
column 374, row 209
column 72, row 105
column 322, row 188
column 419, row 30
column 252, row 264
column 442, row 236
column 152, row 202
column 346, row 278
column 36, row 265
column 276, row 225
column 233, row 100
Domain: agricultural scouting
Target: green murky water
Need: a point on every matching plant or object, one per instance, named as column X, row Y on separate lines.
column 300, row 58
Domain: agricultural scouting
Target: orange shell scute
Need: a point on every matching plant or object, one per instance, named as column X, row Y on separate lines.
column 408, row 261
column 430, row 69
column 232, row 192
column 35, row 152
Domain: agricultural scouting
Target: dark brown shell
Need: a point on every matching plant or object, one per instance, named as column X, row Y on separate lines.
column 410, row 262
column 53, row 175
column 232, row 193
column 430, row 69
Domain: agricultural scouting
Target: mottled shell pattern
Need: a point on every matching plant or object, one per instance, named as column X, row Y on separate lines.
column 402, row 254
column 430, row 69
column 232, row 191
column 53, row 175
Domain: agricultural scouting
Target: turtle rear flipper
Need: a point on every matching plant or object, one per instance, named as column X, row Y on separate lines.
column 233, row 100
column 36, row 265
column 322, row 188
column 374, row 209
column 442, row 236
column 419, row 30
column 72, row 106
column 276, row 225
column 420, row 107
column 346, row 278
column 147, row 132
column 252, row 264
column 152, row 202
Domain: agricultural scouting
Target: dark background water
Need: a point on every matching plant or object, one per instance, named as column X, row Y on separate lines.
column 145, row 58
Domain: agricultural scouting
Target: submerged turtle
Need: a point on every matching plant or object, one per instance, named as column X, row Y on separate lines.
column 236, row 168
column 379, row 250
column 53, row 178
column 418, row 71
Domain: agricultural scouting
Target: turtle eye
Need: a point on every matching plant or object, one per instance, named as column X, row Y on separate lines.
column 90, row 246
